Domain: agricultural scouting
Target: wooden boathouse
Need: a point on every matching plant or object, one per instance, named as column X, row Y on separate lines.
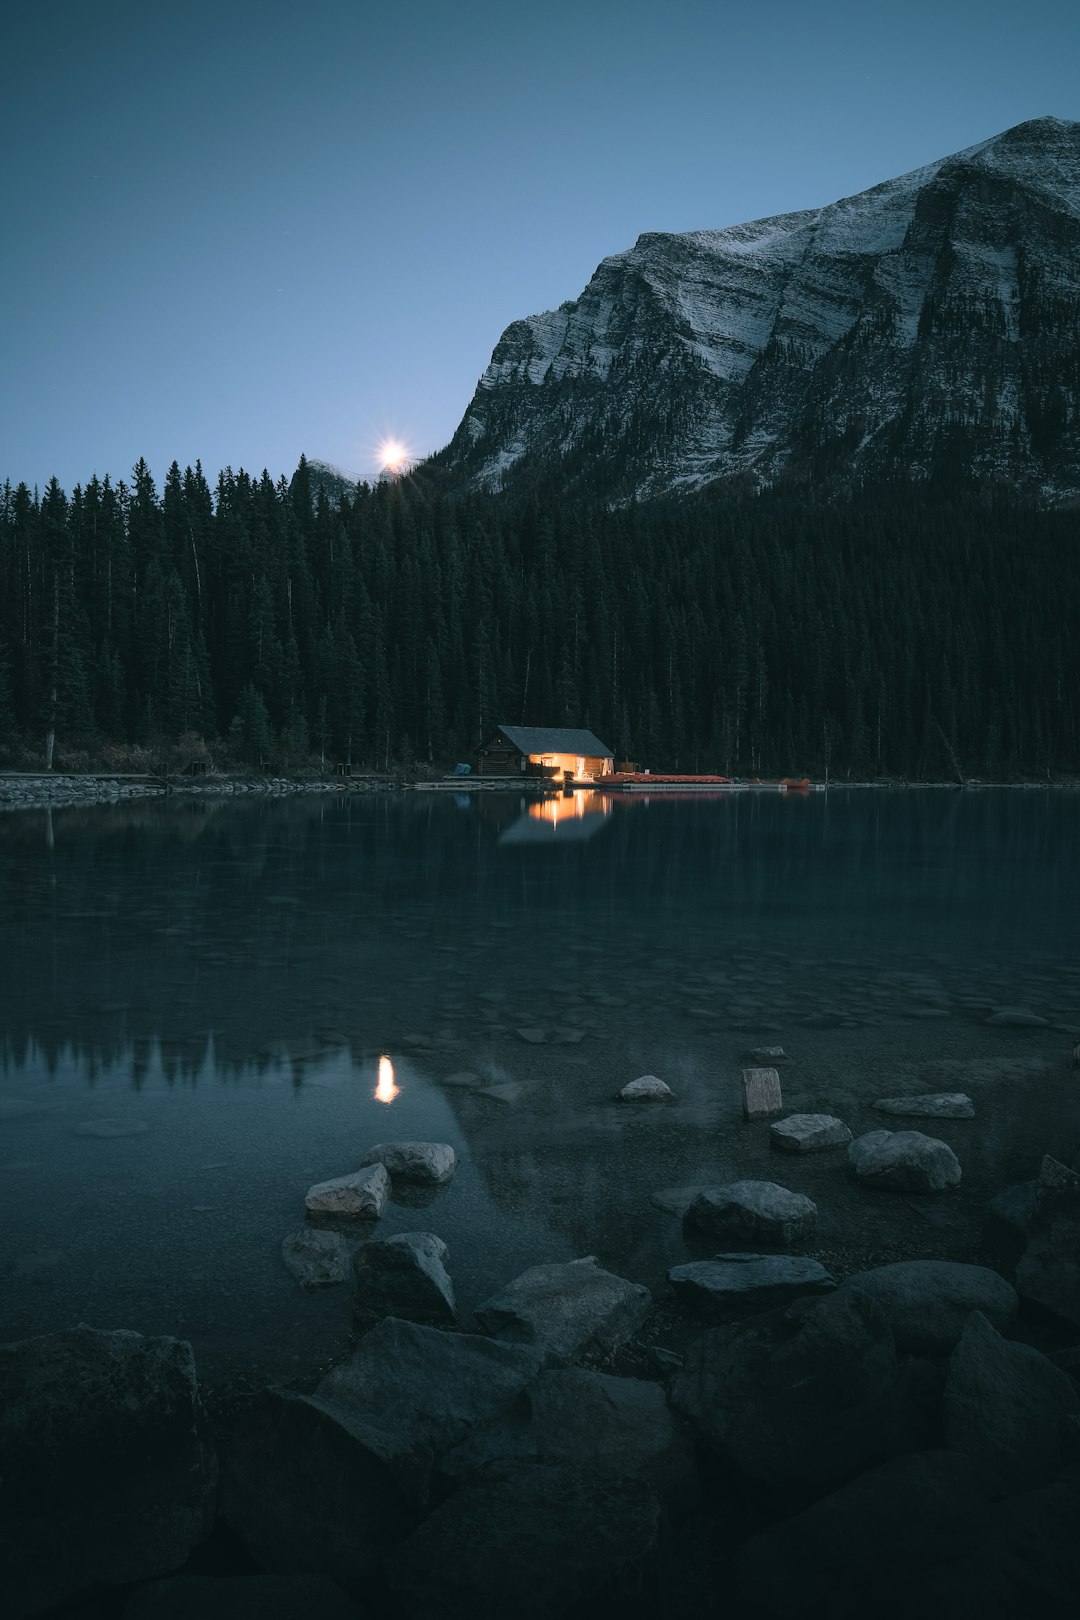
column 559, row 753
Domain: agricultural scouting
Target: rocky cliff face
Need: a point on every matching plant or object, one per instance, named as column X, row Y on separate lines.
column 926, row 329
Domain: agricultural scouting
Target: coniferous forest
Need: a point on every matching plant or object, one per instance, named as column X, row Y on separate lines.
column 396, row 625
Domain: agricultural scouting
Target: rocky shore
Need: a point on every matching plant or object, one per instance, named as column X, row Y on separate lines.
column 57, row 789
column 759, row 1438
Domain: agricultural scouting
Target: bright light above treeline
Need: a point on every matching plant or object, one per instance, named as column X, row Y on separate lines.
column 393, row 456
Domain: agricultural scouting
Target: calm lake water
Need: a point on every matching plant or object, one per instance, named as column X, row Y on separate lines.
column 220, row 980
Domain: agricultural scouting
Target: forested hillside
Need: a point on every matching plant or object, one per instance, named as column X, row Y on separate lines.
column 400, row 626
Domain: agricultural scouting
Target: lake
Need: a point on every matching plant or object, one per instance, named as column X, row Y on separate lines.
column 195, row 996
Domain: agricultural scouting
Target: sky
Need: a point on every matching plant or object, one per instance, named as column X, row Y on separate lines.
column 244, row 229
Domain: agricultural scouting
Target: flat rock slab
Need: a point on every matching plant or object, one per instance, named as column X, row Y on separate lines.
column 808, row 1133
column 930, row 1105
column 768, row 1056
column 533, row 1541
column 566, row 1309
column 1016, row 1018
column 404, row 1276
column 734, row 1285
column 363, row 1194
column 928, row 1302
column 753, row 1212
column 317, row 1259
column 1006, row 1406
column 904, row 1161
column 108, row 1471
column 761, row 1094
column 244, row 1597
column 646, row 1088
column 427, row 1162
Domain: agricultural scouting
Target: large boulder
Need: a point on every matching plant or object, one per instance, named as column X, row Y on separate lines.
column 1006, row 1406
column 1048, row 1272
column 798, row 1397
column 108, row 1473
column 244, row 1597
column 1010, row 1216
column 361, row 1195
column 1025, row 1561
column 590, row 1422
column 904, row 1161
column 429, row 1163
column 404, row 1276
column 533, row 1541
column 317, row 1259
column 566, row 1310
column 927, row 1302
column 329, row 1481
column 929, row 1105
column 733, row 1285
column 753, row 1212
column 808, row 1133
column 877, row 1535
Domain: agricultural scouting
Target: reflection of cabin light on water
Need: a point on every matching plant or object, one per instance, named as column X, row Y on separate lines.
column 386, row 1090
column 553, row 811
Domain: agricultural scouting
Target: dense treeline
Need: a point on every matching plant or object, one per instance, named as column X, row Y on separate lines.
column 395, row 625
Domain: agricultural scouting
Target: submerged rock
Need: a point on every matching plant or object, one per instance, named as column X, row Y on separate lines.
column 733, row 1285
column 647, row 1088
column 566, row 1309
column 904, row 1161
column 428, row 1162
column 317, row 1259
column 753, row 1212
column 808, row 1133
column 931, row 1105
column 108, row 1470
column 1016, row 1018
column 404, row 1276
column 1009, row 1221
column 363, row 1194
column 928, row 1302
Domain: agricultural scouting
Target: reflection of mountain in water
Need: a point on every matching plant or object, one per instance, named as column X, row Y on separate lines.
column 569, row 818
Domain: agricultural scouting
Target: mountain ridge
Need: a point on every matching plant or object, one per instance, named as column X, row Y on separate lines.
column 925, row 327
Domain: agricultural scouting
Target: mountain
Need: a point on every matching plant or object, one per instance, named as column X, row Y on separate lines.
column 334, row 480
column 926, row 330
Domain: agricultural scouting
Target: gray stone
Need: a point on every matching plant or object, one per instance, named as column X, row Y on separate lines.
column 317, row 1259
column 1006, row 1406
column 928, row 1302
column 646, row 1088
column 808, row 1133
column 930, row 1105
column 1016, row 1018
column 1010, row 1215
column 428, row 1162
column 891, row 1523
column 243, row 1597
column 794, row 1397
column 566, row 1310
column 362, row 1195
column 753, row 1212
column 761, row 1094
column 532, row 1541
column 591, row 1422
column 768, row 1056
column 108, row 1470
column 330, row 1481
column 404, row 1276
column 904, row 1161
column 1049, row 1269
column 734, row 1285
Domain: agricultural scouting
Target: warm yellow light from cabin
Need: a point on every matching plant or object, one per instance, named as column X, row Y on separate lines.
column 386, row 1089
column 564, row 808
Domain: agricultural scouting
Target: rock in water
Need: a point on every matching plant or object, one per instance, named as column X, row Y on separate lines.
column 928, row 1302
column 331, row 1481
column 734, row 1285
column 404, row 1276
column 808, row 1133
column 1016, row 1018
column 316, row 1259
column 1006, row 1406
column 566, row 1309
column 531, row 1541
column 362, row 1194
column 796, row 1397
column 426, row 1162
column 761, row 1094
column 931, row 1105
column 905, row 1161
column 243, row 1597
column 108, row 1473
column 646, row 1088
column 753, row 1212
column 768, row 1056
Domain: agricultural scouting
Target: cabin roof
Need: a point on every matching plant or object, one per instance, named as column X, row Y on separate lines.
column 555, row 740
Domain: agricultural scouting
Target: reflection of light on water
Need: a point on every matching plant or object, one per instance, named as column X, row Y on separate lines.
column 568, row 808
column 386, row 1090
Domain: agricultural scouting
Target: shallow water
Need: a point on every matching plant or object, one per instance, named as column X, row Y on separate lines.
column 194, row 998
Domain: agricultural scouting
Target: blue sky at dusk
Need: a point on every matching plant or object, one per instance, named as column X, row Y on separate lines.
column 244, row 229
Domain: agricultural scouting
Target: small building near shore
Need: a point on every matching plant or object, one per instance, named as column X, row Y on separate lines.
column 558, row 752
